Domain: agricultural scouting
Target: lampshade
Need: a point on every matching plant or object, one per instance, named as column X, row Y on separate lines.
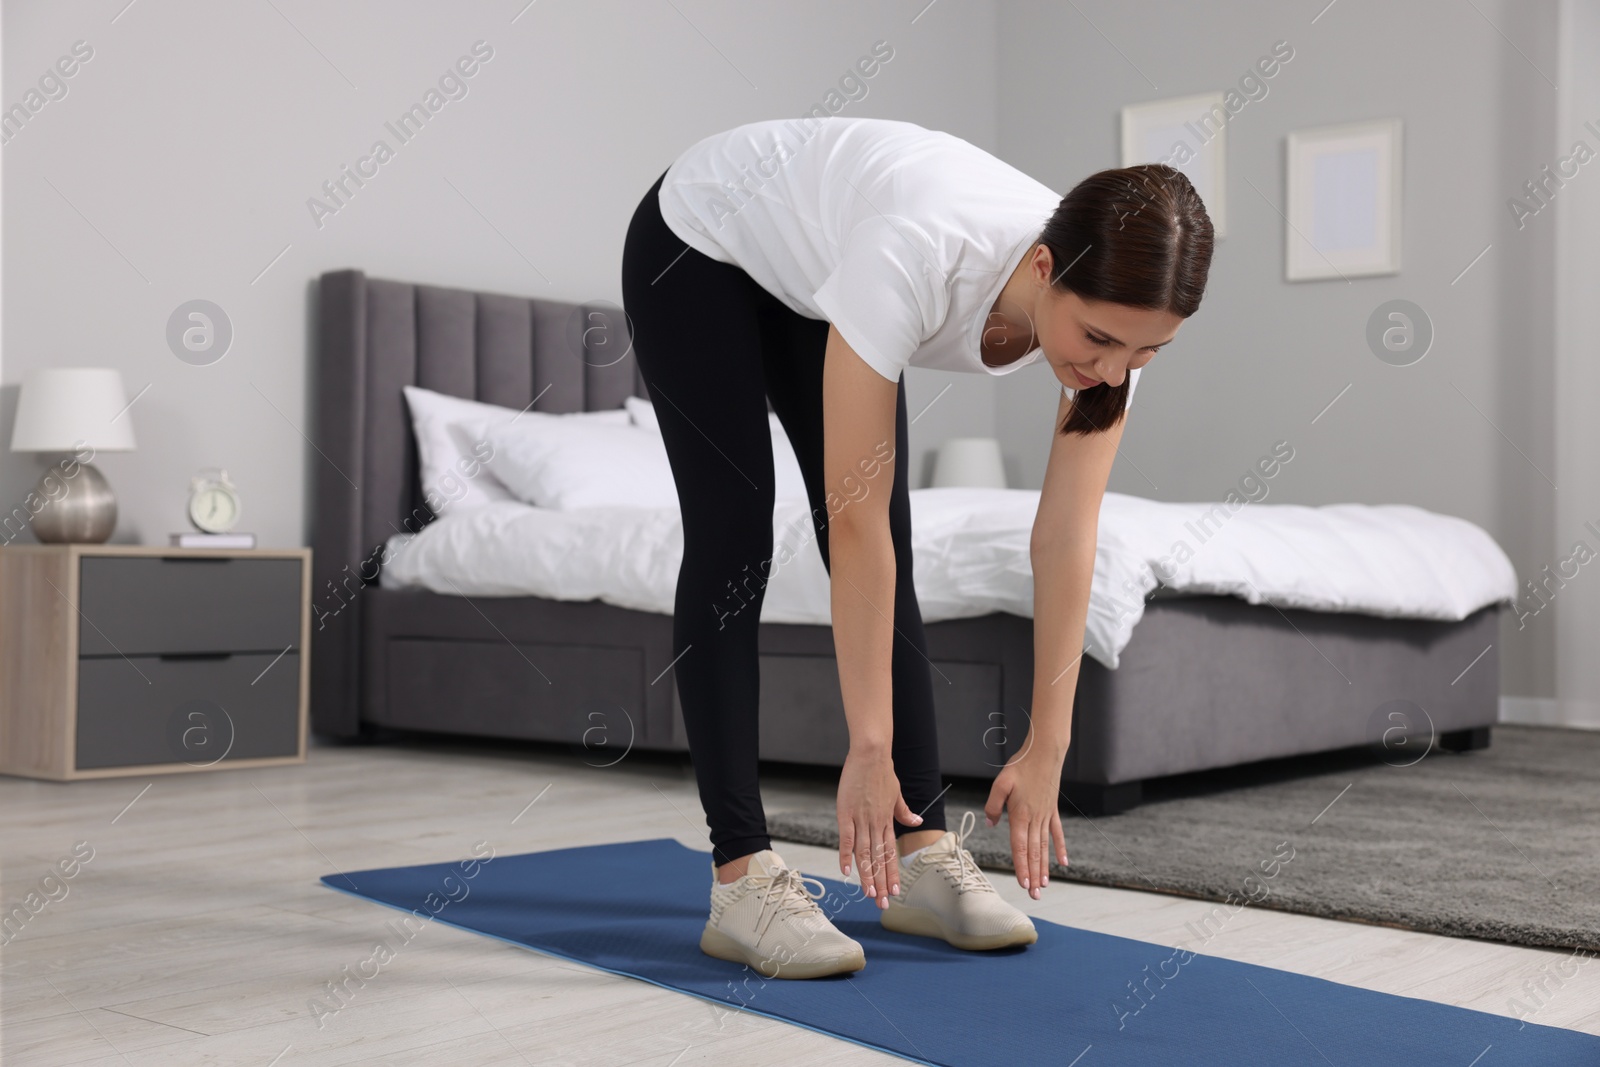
column 970, row 461
column 59, row 407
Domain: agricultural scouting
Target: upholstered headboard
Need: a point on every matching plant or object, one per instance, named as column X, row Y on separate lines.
column 374, row 336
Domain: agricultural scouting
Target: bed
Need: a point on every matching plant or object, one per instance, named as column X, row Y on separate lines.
column 1204, row 680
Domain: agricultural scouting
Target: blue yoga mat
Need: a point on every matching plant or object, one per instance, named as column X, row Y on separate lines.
column 637, row 909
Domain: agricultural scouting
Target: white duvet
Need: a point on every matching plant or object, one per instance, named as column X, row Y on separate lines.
column 971, row 553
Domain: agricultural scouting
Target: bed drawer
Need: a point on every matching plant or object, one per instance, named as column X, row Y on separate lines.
column 136, row 605
column 585, row 695
column 802, row 714
column 143, row 710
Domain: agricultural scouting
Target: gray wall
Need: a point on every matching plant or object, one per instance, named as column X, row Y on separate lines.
column 1467, row 430
column 1575, row 615
column 180, row 161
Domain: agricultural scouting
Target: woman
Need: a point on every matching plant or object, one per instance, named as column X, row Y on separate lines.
column 808, row 262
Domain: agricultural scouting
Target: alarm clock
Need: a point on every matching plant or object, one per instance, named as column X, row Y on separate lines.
column 213, row 501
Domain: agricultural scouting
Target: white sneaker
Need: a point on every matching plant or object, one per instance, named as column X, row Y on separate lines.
column 943, row 893
column 769, row 919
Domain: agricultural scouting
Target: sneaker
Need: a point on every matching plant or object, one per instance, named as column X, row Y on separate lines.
column 769, row 919
column 944, row 894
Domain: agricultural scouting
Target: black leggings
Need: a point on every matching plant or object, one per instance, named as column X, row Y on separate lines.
column 713, row 346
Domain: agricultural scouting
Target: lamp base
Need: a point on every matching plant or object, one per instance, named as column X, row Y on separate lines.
column 79, row 508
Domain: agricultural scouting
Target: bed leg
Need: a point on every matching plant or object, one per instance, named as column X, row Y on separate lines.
column 1095, row 800
column 1465, row 740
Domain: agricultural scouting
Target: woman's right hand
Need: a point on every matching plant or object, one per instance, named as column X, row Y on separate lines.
column 869, row 802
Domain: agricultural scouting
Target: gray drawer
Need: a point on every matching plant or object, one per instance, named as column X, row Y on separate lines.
column 199, row 710
column 133, row 605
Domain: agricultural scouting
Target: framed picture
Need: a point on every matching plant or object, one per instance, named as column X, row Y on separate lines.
column 1188, row 133
column 1343, row 201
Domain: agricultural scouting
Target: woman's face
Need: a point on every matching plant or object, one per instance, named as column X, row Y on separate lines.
column 1087, row 342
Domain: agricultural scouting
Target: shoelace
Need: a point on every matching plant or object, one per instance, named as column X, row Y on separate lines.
column 967, row 876
column 785, row 892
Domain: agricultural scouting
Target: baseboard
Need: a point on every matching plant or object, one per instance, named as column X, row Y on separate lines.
column 1543, row 711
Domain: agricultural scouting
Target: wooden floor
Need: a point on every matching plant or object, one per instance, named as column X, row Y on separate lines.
column 198, row 932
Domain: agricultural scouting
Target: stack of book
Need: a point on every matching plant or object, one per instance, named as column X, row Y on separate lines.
column 196, row 539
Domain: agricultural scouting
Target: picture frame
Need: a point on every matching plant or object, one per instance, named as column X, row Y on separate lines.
column 1190, row 134
column 1343, row 200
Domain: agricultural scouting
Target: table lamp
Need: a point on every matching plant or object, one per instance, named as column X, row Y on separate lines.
column 79, row 410
column 970, row 461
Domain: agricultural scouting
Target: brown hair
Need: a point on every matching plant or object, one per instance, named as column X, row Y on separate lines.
column 1135, row 235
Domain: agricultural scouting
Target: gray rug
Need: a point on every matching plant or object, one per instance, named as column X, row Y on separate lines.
column 1501, row 844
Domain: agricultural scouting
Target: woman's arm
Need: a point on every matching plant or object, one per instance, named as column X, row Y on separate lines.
column 1062, row 550
column 858, row 407
column 858, row 432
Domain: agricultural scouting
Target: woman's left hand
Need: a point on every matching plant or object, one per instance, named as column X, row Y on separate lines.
column 1027, row 789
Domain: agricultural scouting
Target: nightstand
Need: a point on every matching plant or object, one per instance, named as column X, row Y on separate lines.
column 139, row 659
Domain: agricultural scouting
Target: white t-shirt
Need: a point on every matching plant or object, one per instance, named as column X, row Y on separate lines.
column 899, row 236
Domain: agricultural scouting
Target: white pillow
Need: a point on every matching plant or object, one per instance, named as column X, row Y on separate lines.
column 642, row 412
column 568, row 465
column 453, row 453
column 786, row 465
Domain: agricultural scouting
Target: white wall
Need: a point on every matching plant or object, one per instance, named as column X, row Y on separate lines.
column 180, row 161
column 1467, row 430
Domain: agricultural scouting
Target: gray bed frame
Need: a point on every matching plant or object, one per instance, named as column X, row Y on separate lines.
column 1205, row 682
